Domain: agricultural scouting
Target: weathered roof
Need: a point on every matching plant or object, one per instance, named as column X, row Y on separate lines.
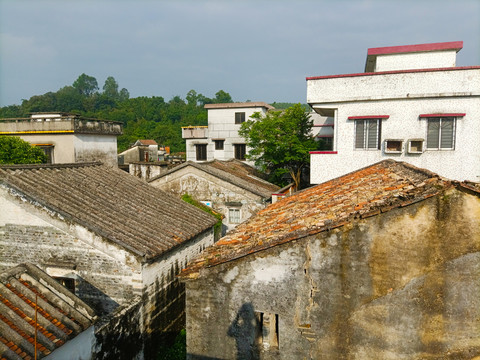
column 363, row 193
column 112, row 203
column 239, row 105
column 60, row 314
column 146, row 142
column 232, row 171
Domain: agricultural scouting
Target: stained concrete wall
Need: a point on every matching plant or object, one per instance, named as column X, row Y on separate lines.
column 400, row 285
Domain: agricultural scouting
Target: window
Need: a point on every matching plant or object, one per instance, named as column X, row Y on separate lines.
column 267, row 334
column 240, row 150
column 239, row 117
column 441, row 133
column 393, row 146
column 367, row 133
column 415, row 146
column 234, row 216
column 201, row 150
column 219, row 144
column 48, row 150
column 325, row 143
column 69, row 283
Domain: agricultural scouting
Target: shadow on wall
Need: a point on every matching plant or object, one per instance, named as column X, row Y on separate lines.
column 244, row 329
column 94, row 297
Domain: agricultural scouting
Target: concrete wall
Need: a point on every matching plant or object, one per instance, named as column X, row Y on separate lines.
column 96, row 148
column 422, row 60
column 400, row 285
column 106, row 275
column 79, row 348
column 221, row 125
column 205, row 187
column 404, row 98
column 147, row 170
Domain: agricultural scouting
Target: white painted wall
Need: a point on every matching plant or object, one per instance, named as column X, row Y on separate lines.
column 96, row 148
column 79, row 348
column 421, row 60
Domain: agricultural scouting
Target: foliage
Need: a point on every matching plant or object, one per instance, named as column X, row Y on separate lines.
column 280, row 143
column 86, row 85
column 218, row 226
column 177, row 351
column 14, row 150
column 286, row 105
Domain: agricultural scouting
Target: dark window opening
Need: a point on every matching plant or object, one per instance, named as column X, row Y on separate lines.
column 239, row 117
column 69, row 283
column 48, row 150
column 325, row 143
column 240, row 151
column 201, row 150
column 219, row 144
column 267, row 331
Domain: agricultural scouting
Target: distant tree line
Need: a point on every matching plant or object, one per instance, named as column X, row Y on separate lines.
column 143, row 117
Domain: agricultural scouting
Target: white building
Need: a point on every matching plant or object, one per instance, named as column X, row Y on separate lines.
column 411, row 104
column 67, row 138
column 220, row 140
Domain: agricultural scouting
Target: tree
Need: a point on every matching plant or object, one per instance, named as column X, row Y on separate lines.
column 280, row 142
column 86, row 85
column 110, row 88
column 222, row 97
column 14, row 150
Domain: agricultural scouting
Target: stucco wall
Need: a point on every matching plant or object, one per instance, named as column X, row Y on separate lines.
column 461, row 163
column 205, row 187
column 394, row 286
column 420, row 60
column 96, row 148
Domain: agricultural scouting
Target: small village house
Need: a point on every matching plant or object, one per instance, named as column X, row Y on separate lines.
column 113, row 240
column 67, row 138
column 231, row 188
column 381, row 263
column 220, row 139
column 411, row 104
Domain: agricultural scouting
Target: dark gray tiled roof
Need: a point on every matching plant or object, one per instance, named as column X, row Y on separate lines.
column 234, row 172
column 117, row 206
column 26, row 290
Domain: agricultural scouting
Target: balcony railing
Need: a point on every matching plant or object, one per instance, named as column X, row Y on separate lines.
column 194, row 132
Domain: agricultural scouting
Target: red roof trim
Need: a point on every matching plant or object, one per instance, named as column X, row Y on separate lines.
column 369, row 117
column 453, row 45
column 442, row 115
column 324, row 152
column 393, row 72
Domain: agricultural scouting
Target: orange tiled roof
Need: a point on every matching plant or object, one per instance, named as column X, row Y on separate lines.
column 363, row 193
column 147, row 142
column 25, row 289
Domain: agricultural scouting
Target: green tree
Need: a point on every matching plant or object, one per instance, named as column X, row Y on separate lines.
column 86, row 85
column 110, row 88
column 222, row 97
column 14, row 150
column 280, row 142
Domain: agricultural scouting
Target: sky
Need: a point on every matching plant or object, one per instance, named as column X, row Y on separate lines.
column 255, row 50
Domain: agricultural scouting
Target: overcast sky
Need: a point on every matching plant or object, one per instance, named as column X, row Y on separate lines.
column 255, row 50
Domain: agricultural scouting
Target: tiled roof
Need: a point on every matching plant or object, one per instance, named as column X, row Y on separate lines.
column 117, row 206
column 234, row 172
column 60, row 314
column 146, row 142
column 239, row 105
column 363, row 193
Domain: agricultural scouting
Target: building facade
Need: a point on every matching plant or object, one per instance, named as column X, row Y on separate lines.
column 382, row 263
column 231, row 188
column 411, row 104
column 113, row 240
column 67, row 138
column 220, row 140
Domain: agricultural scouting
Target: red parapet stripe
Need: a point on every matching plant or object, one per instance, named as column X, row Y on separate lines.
column 323, row 152
column 368, row 117
column 392, row 72
column 453, row 45
column 442, row 115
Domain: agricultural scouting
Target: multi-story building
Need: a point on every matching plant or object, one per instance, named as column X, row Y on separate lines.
column 67, row 138
column 220, row 140
column 412, row 103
